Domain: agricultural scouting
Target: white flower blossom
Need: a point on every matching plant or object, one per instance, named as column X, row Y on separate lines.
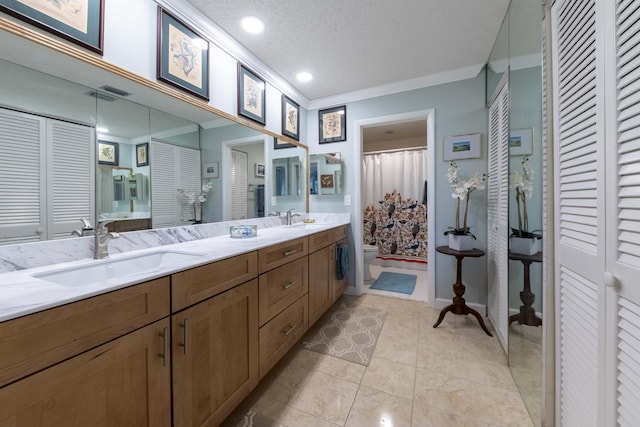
column 191, row 196
column 462, row 191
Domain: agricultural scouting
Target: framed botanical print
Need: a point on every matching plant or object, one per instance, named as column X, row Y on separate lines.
column 142, row 154
column 290, row 118
column 108, row 153
column 183, row 56
column 278, row 144
column 79, row 21
column 333, row 124
column 251, row 95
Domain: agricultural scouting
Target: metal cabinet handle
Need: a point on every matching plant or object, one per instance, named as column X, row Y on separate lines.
column 291, row 252
column 165, row 345
column 289, row 330
column 185, row 335
column 288, row 285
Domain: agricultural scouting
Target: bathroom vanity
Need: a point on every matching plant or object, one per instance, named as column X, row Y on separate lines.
column 183, row 344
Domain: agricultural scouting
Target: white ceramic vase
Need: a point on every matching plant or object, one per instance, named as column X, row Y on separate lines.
column 460, row 242
column 523, row 245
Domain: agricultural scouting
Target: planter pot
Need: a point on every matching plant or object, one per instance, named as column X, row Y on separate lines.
column 461, row 242
column 523, row 245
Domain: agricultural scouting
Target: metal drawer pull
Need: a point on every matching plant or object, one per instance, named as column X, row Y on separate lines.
column 185, row 336
column 287, row 253
column 288, row 285
column 165, row 345
column 289, row 331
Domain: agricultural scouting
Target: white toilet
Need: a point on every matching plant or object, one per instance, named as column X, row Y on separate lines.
column 370, row 253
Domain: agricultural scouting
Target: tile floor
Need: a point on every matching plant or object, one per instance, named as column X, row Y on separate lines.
column 525, row 354
column 454, row 375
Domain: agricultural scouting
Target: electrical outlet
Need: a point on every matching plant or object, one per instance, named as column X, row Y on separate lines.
column 347, row 200
column 274, row 201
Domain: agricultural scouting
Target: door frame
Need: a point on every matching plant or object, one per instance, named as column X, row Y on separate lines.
column 359, row 125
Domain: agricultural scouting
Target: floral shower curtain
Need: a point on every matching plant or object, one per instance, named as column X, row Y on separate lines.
column 395, row 217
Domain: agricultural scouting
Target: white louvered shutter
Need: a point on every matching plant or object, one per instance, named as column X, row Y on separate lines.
column 189, row 179
column 22, row 163
column 239, row 184
column 497, row 214
column 70, row 177
column 164, row 185
column 578, row 130
column 623, row 225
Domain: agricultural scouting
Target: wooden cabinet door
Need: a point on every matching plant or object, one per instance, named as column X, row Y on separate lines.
column 215, row 356
column 320, row 295
column 125, row 382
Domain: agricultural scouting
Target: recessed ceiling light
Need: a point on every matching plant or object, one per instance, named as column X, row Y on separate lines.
column 304, row 76
column 252, row 25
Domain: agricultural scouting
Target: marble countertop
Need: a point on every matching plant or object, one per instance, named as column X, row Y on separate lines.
column 22, row 293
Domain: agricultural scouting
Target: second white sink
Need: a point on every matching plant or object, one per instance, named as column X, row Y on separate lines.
column 113, row 269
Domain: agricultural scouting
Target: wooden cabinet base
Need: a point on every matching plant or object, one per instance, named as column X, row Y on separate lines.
column 125, row 382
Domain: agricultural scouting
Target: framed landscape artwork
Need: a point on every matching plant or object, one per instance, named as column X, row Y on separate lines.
column 78, row 21
column 520, row 142
column 183, row 56
column 461, row 147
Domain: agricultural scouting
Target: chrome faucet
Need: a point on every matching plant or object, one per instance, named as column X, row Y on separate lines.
column 86, row 230
column 101, row 242
column 290, row 216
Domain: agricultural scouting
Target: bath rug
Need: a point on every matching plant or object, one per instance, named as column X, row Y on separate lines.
column 395, row 282
column 347, row 332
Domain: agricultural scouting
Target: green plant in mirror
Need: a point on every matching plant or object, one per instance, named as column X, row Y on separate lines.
column 522, row 183
column 462, row 190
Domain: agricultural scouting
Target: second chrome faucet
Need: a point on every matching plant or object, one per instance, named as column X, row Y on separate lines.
column 101, row 242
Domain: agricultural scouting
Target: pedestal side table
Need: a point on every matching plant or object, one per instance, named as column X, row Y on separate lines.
column 527, row 314
column 459, row 306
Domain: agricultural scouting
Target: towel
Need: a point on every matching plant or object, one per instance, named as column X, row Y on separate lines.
column 342, row 261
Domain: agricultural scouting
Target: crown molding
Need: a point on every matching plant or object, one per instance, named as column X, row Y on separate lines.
column 403, row 86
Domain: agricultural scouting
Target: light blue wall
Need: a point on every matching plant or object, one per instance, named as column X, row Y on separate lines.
column 459, row 109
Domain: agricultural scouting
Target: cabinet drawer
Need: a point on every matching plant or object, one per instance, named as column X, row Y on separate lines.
column 277, row 255
column 192, row 286
column 339, row 233
column 281, row 333
column 320, row 240
column 282, row 286
column 39, row 340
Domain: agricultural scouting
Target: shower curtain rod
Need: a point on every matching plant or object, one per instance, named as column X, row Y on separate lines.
column 397, row 150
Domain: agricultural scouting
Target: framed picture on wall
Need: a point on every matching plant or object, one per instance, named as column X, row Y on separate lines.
column 108, row 153
column 142, row 154
column 210, row 170
column 333, row 124
column 520, row 142
column 259, row 170
column 80, row 21
column 278, row 144
column 459, row 147
column 183, row 56
column 290, row 118
column 251, row 95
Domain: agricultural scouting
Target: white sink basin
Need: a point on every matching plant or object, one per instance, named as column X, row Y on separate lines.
column 309, row 226
column 115, row 269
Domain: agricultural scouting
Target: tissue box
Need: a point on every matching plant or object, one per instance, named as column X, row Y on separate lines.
column 243, row 231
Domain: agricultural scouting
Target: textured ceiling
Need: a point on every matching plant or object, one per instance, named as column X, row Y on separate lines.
column 351, row 45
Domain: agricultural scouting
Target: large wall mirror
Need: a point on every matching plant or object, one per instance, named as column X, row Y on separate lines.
column 88, row 154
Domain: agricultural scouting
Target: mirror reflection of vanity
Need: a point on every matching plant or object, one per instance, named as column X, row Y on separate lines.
column 125, row 186
column 325, row 174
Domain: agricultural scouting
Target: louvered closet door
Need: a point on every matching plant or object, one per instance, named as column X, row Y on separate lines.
column 497, row 214
column 164, row 185
column 70, row 177
column 623, row 210
column 239, row 184
column 22, row 180
column 578, row 104
column 189, row 178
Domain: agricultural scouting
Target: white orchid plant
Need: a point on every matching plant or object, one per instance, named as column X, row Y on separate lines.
column 462, row 190
column 522, row 183
column 193, row 196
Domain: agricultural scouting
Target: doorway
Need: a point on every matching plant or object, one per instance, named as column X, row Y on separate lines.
column 403, row 260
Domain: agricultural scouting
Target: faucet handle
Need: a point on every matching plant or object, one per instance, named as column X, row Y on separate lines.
column 86, row 224
column 102, row 226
